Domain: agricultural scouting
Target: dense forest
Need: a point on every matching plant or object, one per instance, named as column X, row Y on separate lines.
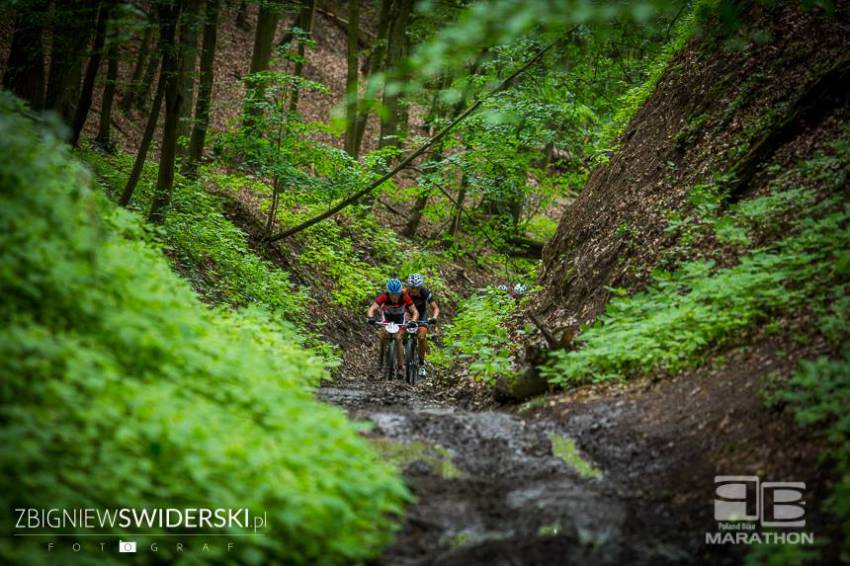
column 623, row 228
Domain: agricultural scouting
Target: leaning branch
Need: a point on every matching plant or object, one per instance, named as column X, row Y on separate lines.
column 409, row 159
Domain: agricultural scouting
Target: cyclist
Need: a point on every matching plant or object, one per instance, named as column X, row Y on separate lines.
column 518, row 291
column 422, row 298
column 393, row 305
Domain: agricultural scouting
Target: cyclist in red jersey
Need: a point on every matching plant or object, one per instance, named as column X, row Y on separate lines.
column 393, row 305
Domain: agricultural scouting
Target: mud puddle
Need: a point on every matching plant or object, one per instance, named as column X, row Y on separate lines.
column 497, row 488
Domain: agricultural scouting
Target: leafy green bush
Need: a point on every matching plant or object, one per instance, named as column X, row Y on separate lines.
column 206, row 247
column 675, row 322
column 478, row 338
column 121, row 389
column 818, row 395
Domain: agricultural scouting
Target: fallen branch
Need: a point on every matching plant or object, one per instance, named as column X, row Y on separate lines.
column 409, row 159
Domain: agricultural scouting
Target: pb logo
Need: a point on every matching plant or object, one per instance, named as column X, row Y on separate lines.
column 746, row 498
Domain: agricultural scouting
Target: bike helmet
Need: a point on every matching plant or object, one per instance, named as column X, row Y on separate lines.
column 415, row 280
column 503, row 288
column 520, row 289
column 394, row 286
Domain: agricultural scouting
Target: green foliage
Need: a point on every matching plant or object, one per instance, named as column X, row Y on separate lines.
column 478, row 338
column 540, row 228
column 633, row 99
column 121, row 389
column 354, row 281
column 205, row 246
column 818, row 395
column 679, row 318
column 682, row 315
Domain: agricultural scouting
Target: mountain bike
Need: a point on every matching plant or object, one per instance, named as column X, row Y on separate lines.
column 412, row 363
column 389, row 356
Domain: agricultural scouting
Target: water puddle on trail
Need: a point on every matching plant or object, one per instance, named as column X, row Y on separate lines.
column 564, row 447
column 403, row 454
column 490, row 487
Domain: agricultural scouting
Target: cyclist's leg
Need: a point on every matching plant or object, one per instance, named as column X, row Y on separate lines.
column 382, row 346
column 399, row 340
column 423, row 343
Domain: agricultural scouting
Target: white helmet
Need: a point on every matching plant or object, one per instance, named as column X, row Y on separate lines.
column 415, row 280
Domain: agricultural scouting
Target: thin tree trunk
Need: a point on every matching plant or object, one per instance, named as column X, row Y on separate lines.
column 24, row 75
column 104, row 128
column 168, row 21
column 375, row 61
column 436, row 156
column 84, row 104
column 267, row 21
column 415, row 215
column 190, row 23
column 395, row 52
column 358, row 195
column 351, row 83
column 127, row 101
column 202, row 109
column 458, row 212
column 308, row 18
column 72, row 25
column 173, row 101
column 142, row 94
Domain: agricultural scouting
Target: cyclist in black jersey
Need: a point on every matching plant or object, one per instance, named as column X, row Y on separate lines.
column 422, row 299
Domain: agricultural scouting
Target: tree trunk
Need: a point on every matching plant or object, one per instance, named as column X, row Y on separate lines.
column 415, row 216
column 370, row 188
column 173, row 100
column 261, row 55
column 104, row 128
column 168, row 21
column 375, row 61
column 190, row 23
column 458, row 212
column 128, row 101
column 24, row 75
column 72, row 24
column 395, row 52
column 202, row 109
column 84, row 104
column 142, row 94
column 436, row 156
column 351, row 84
column 308, row 15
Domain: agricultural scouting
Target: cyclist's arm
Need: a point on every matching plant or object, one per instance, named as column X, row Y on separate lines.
column 373, row 310
column 436, row 312
column 411, row 306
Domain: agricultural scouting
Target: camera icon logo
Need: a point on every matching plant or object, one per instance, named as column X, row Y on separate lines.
column 126, row 546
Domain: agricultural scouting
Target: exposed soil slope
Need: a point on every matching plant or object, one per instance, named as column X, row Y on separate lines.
column 706, row 118
column 710, row 106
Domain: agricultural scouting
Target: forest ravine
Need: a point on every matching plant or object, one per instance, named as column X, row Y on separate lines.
column 634, row 216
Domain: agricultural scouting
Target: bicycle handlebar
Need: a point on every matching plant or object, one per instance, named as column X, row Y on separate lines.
column 418, row 323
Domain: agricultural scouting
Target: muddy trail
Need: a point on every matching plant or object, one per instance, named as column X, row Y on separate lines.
column 501, row 487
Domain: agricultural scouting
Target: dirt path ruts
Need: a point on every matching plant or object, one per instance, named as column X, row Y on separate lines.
column 490, row 490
